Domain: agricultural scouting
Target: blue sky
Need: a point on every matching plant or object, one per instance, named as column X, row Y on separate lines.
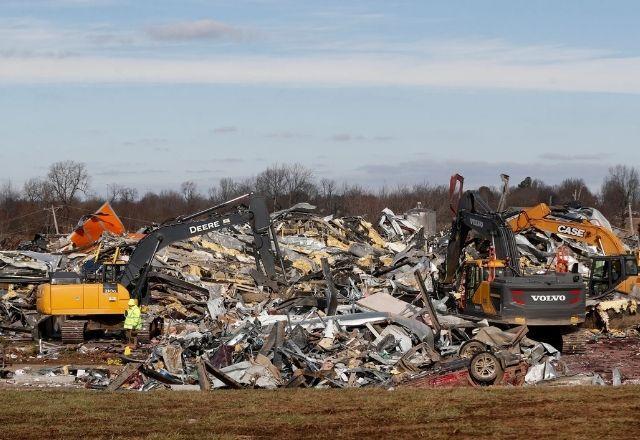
column 152, row 93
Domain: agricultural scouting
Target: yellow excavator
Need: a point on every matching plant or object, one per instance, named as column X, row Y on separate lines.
column 71, row 305
column 494, row 287
column 616, row 271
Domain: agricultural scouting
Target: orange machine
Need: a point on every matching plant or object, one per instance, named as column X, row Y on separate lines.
column 91, row 226
column 615, row 271
column 538, row 217
column 72, row 304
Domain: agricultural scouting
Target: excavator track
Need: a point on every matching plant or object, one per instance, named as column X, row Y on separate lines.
column 72, row 331
column 148, row 330
column 576, row 342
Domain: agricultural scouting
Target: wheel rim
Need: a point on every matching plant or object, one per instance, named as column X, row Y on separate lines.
column 471, row 349
column 485, row 365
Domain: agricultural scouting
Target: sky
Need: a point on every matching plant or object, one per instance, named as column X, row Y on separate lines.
column 150, row 93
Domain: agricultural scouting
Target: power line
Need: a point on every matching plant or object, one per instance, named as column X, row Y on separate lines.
column 22, row 216
column 120, row 216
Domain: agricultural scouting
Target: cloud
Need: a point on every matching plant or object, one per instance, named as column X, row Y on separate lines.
column 225, row 130
column 574, row 157
column 204, row 171
column 56, row 3
column 383, row 138
column 196, row 30
column 347, row 137
column 476, row 173
column 201, row 163
column 109, row 39
column 29, row 37
column 620, row 75
column 119, row 172
column 286, row 135
column 488, row 65
column 146, row 142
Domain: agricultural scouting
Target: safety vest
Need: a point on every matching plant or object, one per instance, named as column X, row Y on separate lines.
column 133, row 318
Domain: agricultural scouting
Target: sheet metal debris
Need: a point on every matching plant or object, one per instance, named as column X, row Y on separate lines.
column 357, row 311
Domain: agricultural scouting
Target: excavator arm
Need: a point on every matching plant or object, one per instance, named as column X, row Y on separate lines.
column 495, row 288
column 472, row 213
column 255, row 213
column 100, row 305
column 538, row 217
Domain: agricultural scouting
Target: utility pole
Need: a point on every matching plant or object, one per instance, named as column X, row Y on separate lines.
column 505, row 192
column 55, row 220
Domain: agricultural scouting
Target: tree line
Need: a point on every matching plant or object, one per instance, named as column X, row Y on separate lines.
column 66, row 190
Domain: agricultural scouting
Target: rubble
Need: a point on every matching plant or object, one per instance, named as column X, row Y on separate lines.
column 91, row 227
column 353, row 309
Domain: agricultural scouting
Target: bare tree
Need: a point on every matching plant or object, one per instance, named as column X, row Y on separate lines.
column 214, row 194
column 246, row 186
column 33, row 190
column 7, row 193
column 620, row 188
column 571, row 189
column 298, row 181
column 282, row 183
column 530, row 192
column 189, row 191
column 128, row 194
column 328, row 188
column 272, row 182
column 120, row 193
column 228, row 188
column 67, row 180
column 113, row 192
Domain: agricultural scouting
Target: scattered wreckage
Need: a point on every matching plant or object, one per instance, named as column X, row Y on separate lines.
column 349, row 305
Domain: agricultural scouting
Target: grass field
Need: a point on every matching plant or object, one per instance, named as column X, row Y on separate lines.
column 584, row 412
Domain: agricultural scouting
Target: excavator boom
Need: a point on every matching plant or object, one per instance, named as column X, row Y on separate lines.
column 100, row 305
column 255, row 214
column 615, row 271
column 472, row 213
column 540, row 217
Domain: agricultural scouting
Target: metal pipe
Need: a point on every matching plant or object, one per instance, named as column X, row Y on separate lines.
column 427, row 299
column 231, row 202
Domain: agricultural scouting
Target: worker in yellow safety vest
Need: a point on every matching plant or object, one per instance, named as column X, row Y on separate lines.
column 132, row 322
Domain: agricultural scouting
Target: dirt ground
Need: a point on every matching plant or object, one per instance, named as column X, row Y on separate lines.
column 537, row 412
column 602, row 355
column 606, row 353
column 564, row 413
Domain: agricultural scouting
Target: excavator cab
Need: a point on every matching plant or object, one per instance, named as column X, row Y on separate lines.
column 110, row 272
column 611, row 273
column 477, row 297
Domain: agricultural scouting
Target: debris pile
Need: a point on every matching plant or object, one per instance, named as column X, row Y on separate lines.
column 346, row 350
column 575, row 234
column 397, row 227
column 354, row 307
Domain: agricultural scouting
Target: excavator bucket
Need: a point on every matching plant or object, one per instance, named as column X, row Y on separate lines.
column 456, row 184
column 91, row 226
